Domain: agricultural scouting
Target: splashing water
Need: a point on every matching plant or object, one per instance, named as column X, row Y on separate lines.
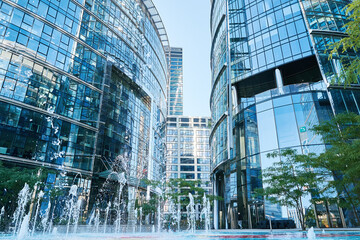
column 2, row 213
column 121, row 179
column 178, row 218
column 311, row 234
column 106, row 215
column 92, row 217
column 97, row 220
column 71, row 206
column 77, row 214
column 40, row 196
column 141, row 216
column 159, row 217
column 191, row 213
column 23, row 199
column 24, row 228
column 172, row 213
column 206, row 212
column 45, row 218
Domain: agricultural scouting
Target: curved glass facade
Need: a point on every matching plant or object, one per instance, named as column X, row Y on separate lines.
column 274, row 121
column 270, row 84
column 83, row 82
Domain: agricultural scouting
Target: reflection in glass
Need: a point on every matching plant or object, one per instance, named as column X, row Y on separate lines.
column 286, row 127
column 267, row 131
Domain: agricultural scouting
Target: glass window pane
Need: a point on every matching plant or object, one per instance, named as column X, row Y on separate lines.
column 267, row 131
column 288, row 135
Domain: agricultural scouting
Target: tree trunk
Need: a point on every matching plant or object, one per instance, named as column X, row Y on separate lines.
column 301, row 215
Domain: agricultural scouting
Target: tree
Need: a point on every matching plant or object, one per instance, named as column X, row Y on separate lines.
column 179, row 189
column 342, row 157
column 12, row 180
column 350, row 44
column 290, row 179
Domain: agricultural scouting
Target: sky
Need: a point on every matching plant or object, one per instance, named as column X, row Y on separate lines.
column 187, row 26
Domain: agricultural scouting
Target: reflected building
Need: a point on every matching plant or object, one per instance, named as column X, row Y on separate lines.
column 83, row 86
column 270, row 85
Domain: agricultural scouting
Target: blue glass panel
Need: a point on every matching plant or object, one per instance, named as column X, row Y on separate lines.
column 267, row 131
column 286, row 126
column 281, row 101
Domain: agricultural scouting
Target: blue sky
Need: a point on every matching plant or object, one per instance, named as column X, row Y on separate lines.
column 187, row 25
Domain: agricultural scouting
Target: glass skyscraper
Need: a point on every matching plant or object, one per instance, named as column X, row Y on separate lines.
column 83, row 85
column 271, row 82
column 175, row 87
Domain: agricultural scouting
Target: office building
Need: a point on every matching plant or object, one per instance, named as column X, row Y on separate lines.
column 188, row 151
column 271, row 83
column 83, row 84
column 175, row 87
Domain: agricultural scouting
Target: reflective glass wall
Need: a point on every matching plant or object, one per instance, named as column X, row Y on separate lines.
column 274, row 123
column 264, row 54
column 82, row 83
column 175, row 88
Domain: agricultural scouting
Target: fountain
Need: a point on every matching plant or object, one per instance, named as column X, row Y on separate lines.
column 117, row 206
column 159, row 217
column 45, row 218
column 71, row 206
column 97, row 220
column 24, row 228
column 23, row 221
column 23, row 199
column 190, row 209
column 136, row 219
column 141, row 216
column 178, row 217
column 2, row 213
column 40, row 196
column 121, row 179
column 172, row 213
column 206, row 212
column 76, row 215
column 311, row 234
column 106, row 215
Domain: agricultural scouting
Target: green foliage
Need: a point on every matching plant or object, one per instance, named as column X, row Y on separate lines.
column 12, row 180
column 350, row 43
column 290, row 179
column 342, row 158
column 178, row 190
column 150, row 206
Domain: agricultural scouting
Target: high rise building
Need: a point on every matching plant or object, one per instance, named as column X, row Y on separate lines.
column 83, row 85
column 175, row 86
column 188, row 151
column 188, row 148
column 271, row 82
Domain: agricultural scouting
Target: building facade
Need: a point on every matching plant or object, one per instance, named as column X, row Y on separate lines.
column 83, row 89
column 188, row 155
column 270, row 84
column 188, row 151
column 175, row 87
